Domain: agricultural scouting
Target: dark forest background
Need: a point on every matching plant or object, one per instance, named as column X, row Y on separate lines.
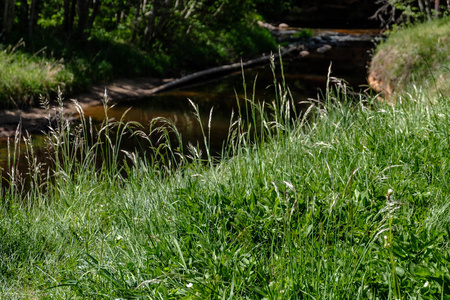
column 75, row 43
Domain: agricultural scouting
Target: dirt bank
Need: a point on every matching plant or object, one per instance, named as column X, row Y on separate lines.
column 35, row 119
column 380, row 72
column 379, row 84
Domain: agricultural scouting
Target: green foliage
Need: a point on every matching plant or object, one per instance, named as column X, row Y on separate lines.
column 408, row 12
column 129, row 38
column 274, row 10
column 220, row 46
column 20, row 248
column 304, row 33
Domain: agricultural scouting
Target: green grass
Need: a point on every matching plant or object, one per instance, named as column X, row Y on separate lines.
column 42, row 64
column 24, row 77
column 348, row 201
column 419, row 55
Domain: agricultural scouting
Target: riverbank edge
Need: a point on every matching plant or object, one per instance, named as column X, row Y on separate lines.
column 411, row 57
column 35, row 119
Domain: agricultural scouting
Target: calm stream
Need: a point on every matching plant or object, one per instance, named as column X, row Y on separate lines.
column 305, row 76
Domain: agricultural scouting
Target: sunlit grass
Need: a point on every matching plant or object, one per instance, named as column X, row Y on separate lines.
column 423, row 58
column 347, row 201
column 24, row 77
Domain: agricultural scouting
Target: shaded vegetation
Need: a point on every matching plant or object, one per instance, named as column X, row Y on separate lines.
column 100, row 40
column 400, row 12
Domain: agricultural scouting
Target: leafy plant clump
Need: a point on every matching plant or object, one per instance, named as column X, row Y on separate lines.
column 304, row 33
column 394, row 13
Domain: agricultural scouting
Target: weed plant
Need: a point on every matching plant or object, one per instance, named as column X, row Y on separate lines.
column 348, row 200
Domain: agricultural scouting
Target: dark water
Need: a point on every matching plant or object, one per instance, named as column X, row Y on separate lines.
column 305, row 77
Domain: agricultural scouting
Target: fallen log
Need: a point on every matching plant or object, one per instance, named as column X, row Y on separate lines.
column 218, row 70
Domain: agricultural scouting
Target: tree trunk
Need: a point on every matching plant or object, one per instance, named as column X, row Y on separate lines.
column 34, row 10
column 427, row 8
column 118, row 17
column 66, row 22
column 421, row 6
column 95, row 10
column 437, row 4
column 73, row 11
column 69, row 15
column 8, row 17
column 218, row 70
column 83, row 13
column 164, row 16
column 136, row 17
column 23, row 15
column 150, row 28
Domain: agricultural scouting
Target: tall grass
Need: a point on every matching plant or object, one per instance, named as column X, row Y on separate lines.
column 348, row 200
column 23, row 77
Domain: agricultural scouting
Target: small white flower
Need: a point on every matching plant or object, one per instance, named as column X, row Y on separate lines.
column 189, row 285
column 426, row 284
column 119, row 237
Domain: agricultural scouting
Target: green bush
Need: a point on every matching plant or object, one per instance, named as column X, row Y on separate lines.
column 304, row 33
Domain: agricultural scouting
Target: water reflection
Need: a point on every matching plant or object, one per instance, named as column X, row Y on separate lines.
column 304, row 77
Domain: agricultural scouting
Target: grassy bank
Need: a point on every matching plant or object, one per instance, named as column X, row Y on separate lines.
column 348, row 201
column 24, row 77
column 418, row 55
column 31, row 68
